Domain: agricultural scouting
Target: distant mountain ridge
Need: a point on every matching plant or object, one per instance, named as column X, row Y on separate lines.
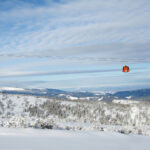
column 141, row 94
column 38, row 92
column 135, row 94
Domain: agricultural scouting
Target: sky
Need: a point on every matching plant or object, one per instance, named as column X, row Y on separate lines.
column 75, row 44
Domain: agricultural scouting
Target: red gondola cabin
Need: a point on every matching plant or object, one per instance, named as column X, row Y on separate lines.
column 125, row 69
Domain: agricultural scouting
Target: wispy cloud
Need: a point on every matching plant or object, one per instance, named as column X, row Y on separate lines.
column 108, row 53
column 57, row 35
column 23, row 74
column 76, row 23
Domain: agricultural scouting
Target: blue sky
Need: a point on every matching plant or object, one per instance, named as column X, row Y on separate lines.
column 75, row 44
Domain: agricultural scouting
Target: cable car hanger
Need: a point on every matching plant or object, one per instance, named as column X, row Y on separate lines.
column 125, row 69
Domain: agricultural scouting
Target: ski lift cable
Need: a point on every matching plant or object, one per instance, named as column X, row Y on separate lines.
column 81, row 58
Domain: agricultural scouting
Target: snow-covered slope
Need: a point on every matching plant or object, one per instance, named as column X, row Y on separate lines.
column 41, row 112
column 11, row 89
column 31, row 139
column 119, row 101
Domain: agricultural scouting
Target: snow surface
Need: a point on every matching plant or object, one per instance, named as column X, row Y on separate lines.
column 71, row 97
column 38, row 139
column 11, row 89
column 129, row 97
column 125, row 101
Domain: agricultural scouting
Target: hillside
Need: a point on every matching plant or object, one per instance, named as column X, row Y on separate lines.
column 39, row 112
column 139, row 95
